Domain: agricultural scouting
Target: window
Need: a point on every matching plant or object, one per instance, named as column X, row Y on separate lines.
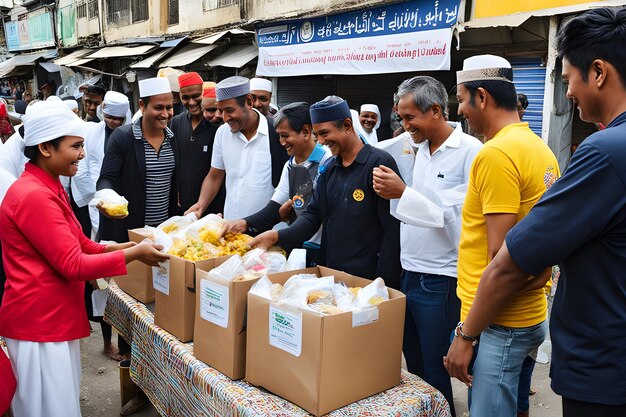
column 216, row 4
column 139, row 10
column 125, row 12
column 172, row 15
column 81, row 10
column 92, row 7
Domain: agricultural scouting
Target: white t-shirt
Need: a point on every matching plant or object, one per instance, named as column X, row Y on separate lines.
column 431, row 208
column 248, row 167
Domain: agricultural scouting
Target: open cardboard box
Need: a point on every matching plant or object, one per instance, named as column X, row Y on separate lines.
column 220, row 325
column 138, row 279
column 175, row 295
column 322, row 363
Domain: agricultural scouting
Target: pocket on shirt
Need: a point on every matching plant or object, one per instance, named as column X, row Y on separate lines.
column 260, row 174
column 448, row 181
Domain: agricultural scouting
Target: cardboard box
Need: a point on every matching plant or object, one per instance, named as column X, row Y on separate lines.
column 138, row 279
column 324, row 362
column 175, row 295
column 220, row 327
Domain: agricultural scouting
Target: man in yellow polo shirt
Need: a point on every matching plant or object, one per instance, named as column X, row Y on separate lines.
column 510, row 173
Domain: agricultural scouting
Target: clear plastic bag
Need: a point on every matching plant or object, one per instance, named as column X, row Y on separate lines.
column 371, row 295
column 112, row 203
column 229, row 270
column 176, row 223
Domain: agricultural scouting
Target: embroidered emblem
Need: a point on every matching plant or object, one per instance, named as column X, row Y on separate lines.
column 298, row 201
column 358, row 195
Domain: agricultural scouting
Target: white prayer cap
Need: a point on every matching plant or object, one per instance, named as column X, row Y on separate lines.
column 485, row 68
column 115, row 104
column 260, row 84
column 172, row 77
column 374, row 109
column 53, row 98
column 71, row 104
column 153, row 86
column 232, row 87
column 49, row 120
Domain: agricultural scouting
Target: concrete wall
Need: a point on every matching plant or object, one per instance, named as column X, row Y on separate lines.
column 264, row 10
column 192, row 17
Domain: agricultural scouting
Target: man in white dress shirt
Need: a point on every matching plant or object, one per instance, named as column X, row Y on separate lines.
column 246, row 151
column 430, row 210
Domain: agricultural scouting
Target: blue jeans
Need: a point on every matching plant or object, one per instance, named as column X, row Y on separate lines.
column 432, row 312
column 496, row 372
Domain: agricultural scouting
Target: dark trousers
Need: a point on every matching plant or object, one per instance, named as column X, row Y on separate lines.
column 575, row 408
column 523, row 389
column 432, row 312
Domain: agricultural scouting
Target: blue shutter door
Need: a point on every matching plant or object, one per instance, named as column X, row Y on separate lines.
column 529, row 77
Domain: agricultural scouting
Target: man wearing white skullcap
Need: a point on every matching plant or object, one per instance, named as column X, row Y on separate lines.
column 246, row 151
column 508, row 176
column 172, row 75
column 261, row 92
column 368, row 123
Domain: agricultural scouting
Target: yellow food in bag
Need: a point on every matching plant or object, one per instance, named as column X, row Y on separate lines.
column 116, row 210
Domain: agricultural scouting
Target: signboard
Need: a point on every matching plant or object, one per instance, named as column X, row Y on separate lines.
column 30, row 32
column 13, row 38
column 412, row 36
column 494, row 8
column 67, row 26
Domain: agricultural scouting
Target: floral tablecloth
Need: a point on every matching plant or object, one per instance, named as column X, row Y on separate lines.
column 180, row 385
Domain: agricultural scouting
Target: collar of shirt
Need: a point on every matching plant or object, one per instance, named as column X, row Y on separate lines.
column 618, row 120
column 507, row 128
column 262, row 128
column 138, row 133
column 361, row 157
column 316, row 156
column 52, row 183
column 453, row 141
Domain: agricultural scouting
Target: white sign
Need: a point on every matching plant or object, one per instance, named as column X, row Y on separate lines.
column 214, row 303
column 403, row 52
column 161, row 277
column 286, row 330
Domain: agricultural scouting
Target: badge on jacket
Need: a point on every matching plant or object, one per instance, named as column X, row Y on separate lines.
column 358, row 195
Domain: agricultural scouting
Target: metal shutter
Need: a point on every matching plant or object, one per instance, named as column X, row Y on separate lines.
column 529, row 77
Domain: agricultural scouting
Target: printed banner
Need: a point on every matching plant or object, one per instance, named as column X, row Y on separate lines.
column 13, row 38
column 32, row 32
column 413, row 36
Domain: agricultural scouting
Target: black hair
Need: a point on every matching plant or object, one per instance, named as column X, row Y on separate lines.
column 241, row 100
column 297, row 115
column 96, row 89
column 503, row 93
column 32, row 152
column 595, row 34
column 523, row 100
column 145, row 100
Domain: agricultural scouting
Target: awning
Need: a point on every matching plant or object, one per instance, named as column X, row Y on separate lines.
column 236, row 57
column 187, row 55
column 172, row 42
column 67, row 59
column 79, row 62
column 121, row 51
column 152, row 59
column 50, row 67
column 13, row 65
column 211, row 39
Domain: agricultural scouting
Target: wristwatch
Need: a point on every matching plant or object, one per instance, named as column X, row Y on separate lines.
column 458, row 332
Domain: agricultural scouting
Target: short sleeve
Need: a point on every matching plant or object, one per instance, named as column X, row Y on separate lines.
column 217, row 159
column 281, row 194
column 578, row 207
column 497, row 181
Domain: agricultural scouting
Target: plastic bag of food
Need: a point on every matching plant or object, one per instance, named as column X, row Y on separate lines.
column 112, row 203
column 255, row 260
column 264, row 288
column 297, row 260
column 344, row 297
column 229, row 270
column 207, row 229
column 371, row 295
column 174, row 224
column 304, row 289
column 276, row 262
